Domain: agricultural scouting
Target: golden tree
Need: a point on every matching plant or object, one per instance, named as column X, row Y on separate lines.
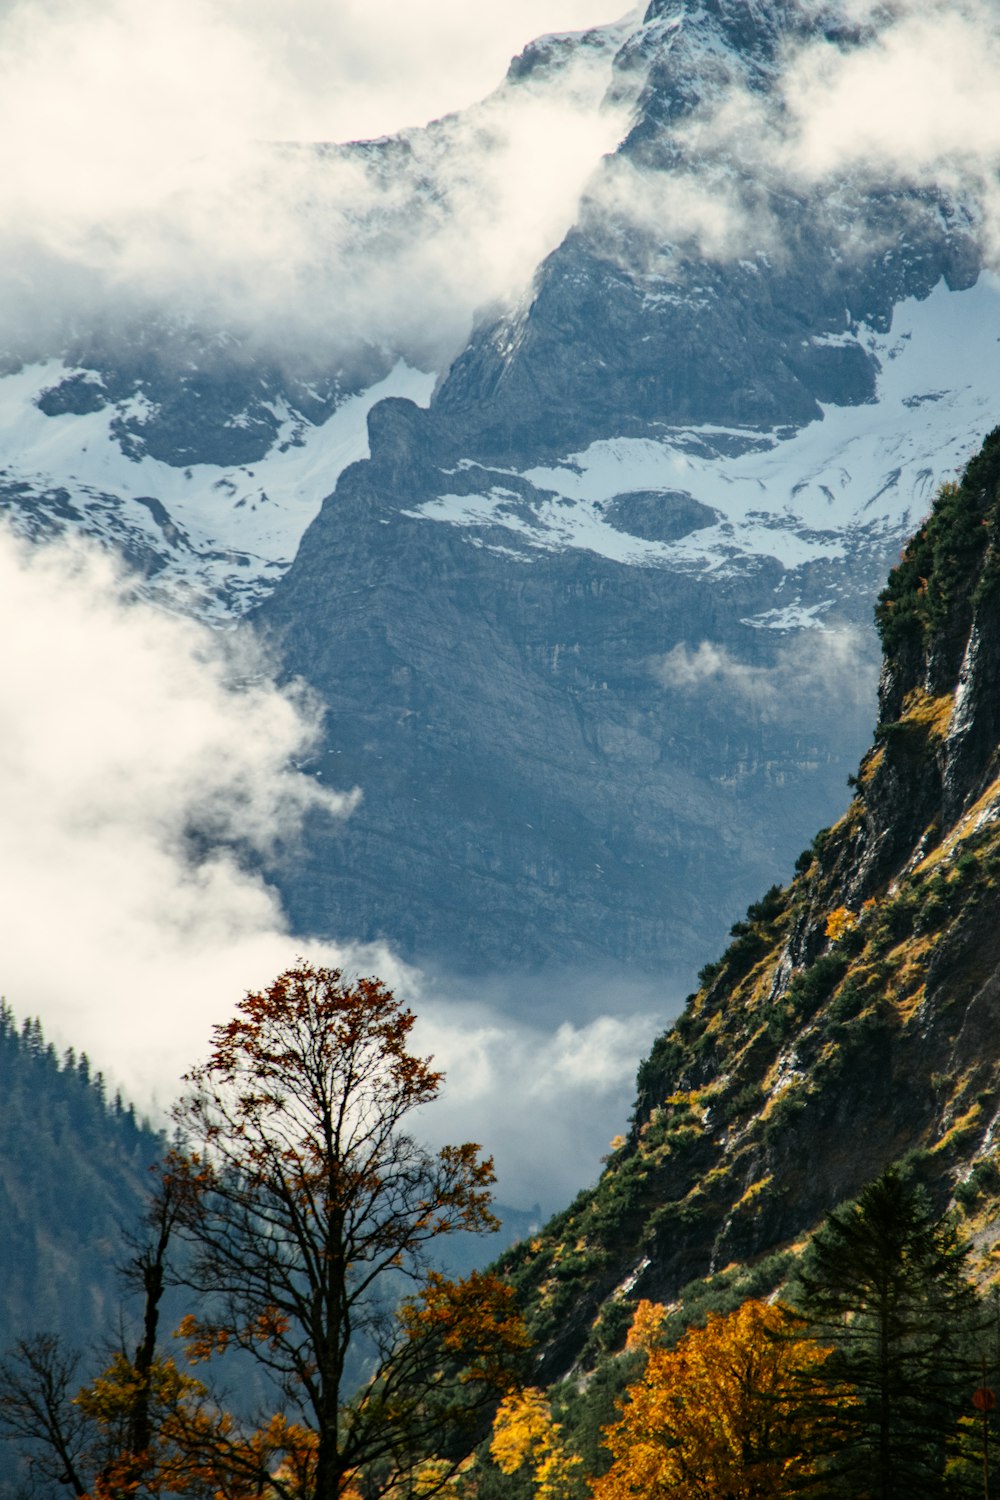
column 525, row 1435
column 717, row 1417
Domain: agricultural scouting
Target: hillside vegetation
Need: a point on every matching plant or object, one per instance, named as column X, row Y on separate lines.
column 73, row 1170
column 852, row 1020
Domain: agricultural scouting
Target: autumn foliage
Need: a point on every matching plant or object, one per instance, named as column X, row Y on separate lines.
column 525, row 1436
column 309, row 1210
column 718, row 1415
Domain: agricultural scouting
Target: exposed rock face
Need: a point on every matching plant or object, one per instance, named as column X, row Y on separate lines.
column 536, row 789
column 565, row 620
column 854, row 1018
column 545, row 637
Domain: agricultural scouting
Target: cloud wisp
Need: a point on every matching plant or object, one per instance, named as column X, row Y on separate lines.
column 813, row 668
column 908, row 102
column 162, row 164
column 149, row 771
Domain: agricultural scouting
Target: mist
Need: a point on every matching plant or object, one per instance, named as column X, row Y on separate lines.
column 814, row 672
column 150, row 780
column 909, row 104
column 170, row 164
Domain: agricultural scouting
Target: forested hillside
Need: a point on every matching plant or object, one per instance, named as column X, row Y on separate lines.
column 854, row 1017
column 73, row 1171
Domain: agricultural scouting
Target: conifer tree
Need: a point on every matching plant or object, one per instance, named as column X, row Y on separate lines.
column 885, row 1283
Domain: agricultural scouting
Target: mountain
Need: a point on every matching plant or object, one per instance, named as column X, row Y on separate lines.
column 852, row 1020
column 73, row 1175
column 585, row 591
column 577, row 623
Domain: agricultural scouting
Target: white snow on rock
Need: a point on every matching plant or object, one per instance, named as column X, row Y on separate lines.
column 862, row 472
column 224, row 535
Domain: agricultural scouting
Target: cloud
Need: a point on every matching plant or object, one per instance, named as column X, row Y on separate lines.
column 148, row 775
column 910, row 102
column 834, row 667
column 919, row 100
column 544, row 1101
column 701, row 210
column 141, row 170
column 147, row 770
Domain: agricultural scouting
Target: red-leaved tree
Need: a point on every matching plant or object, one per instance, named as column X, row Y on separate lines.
column 310, row 1211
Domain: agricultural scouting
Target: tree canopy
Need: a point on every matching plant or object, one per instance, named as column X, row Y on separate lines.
column 717, row 1417
column 310, row 1211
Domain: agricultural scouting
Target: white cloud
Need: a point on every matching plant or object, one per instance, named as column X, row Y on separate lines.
column 545, row 1101
column 698, row 210
column 914, row 103
column 143, row 764
column 920, row 99
column 137, row 165
column 147, row 772
column 832, row 666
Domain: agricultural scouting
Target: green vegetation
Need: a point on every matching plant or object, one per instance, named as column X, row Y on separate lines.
column 73, row 1168
column 941, row 575
column 844, row 1371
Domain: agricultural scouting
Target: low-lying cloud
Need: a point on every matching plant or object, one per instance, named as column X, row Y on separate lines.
column 142, row 170
column 149, row 774
column 545, row 1101
column 147, row 769
column 834, row 667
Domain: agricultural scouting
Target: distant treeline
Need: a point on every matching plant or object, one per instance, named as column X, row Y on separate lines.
column 73, row 1174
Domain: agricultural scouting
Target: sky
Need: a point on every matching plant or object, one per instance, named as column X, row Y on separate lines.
column 130, row 167
column 134, row 171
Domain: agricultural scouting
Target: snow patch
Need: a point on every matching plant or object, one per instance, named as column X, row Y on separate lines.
column 858, row 475
column 221, row 536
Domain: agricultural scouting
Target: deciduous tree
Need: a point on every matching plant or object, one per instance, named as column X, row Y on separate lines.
column 526, row 1436
column 309, row 1210
column 716, row 1417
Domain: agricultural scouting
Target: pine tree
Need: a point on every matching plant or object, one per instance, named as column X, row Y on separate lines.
column 885, row 1283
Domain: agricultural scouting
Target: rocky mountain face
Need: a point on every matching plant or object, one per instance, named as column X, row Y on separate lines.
column 565, row 618
column 591, row 621
column 853, row 1018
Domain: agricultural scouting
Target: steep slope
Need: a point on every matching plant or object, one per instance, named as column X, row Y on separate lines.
column 566, row 619
column 854, row 1018
column 73, row 1173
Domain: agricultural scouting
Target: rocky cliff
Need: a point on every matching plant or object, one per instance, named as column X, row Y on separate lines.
column 854, row 1017
column 591, row 621
column 592, row 627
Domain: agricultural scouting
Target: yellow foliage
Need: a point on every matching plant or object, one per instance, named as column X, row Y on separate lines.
column 647, row 1322
column 715, row 1416
column 839, row 922
column 524, row 1434
column 194, row 1447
